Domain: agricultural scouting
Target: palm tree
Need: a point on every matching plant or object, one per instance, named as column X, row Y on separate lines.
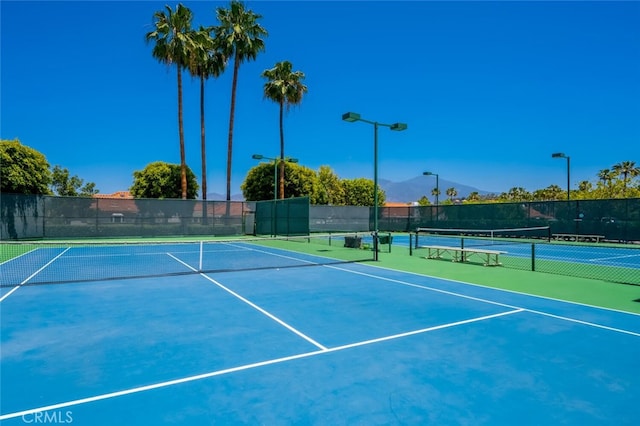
column 173, row 42
column 585, row 186
column 606, row 176
column 451, row 192
column 240, row 37
column 285, row 87
column 205, row 60
column 435, row 192
column 626, row 169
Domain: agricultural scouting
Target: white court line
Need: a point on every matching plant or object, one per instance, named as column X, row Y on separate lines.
column 618, row 330
column 282, row 255
column 33, row 275
column 245, row 367
column 424, row 287
column 256, row 307
column 591, row 324
column 626, row 256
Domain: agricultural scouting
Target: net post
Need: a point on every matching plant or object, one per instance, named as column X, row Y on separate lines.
column 200, row 261
column 375, row 245
column 411, row 243
column 533, row 256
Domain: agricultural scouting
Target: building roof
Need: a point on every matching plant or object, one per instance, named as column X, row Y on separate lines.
column 122, row 195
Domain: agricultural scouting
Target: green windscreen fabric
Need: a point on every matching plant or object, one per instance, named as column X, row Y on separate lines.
column 33, row 216
column 616, row 220
column 282, row 217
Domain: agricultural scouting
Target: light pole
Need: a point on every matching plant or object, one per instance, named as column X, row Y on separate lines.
column 563, row 155
column 352, row 117
column 275, row 170
column 437, row 184
column 275, row 184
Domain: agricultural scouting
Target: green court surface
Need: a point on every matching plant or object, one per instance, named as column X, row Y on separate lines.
column 580, row 290
column 593, row 292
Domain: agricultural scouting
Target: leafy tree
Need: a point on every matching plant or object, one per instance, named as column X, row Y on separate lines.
column 285, row 87
column 474, row 197
column 205, row 60
column 359, row 192
column 240, row 37
column 330, row 189
column 300, row 181
column 23, row 170
column 162, row 180
column 259, row 183
column 72, row 186
column 424, row 201
column 173, row 42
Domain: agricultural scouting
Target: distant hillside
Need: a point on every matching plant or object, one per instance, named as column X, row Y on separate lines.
column 398, row 192
column 413, row 189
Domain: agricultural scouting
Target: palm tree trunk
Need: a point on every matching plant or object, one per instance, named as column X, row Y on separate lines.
column 281, row 151
column 204, row 154
column 236, row 65
column 203, row 141
column 183, row 163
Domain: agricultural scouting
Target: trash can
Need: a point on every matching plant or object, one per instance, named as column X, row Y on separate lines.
column 353, row 242
column 385, row 239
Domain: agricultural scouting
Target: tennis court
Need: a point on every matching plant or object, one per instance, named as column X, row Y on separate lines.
column 288, row 332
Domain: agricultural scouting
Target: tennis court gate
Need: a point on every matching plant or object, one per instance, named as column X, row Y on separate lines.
column 613, row 219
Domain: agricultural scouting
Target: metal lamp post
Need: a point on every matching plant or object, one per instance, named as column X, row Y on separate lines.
column 563, row 155
column 352, row 117
column 437, row 184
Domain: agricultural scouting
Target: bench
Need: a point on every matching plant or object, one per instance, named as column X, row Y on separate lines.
column 578, row 237
column 490, row 257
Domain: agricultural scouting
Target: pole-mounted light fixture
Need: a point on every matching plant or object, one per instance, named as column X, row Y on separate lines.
column 353, row 117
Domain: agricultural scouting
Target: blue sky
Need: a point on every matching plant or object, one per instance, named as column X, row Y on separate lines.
column 489, row 90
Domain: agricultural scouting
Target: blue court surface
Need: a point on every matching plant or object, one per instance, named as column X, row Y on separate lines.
column 331, row 344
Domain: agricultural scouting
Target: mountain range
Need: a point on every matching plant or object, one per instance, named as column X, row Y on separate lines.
column 400, row 192
column 415, row 188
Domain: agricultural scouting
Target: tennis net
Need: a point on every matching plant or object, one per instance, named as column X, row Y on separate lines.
column 479, row 237
column 32, row 263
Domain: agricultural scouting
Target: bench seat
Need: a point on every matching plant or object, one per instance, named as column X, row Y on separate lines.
column 490, row 257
